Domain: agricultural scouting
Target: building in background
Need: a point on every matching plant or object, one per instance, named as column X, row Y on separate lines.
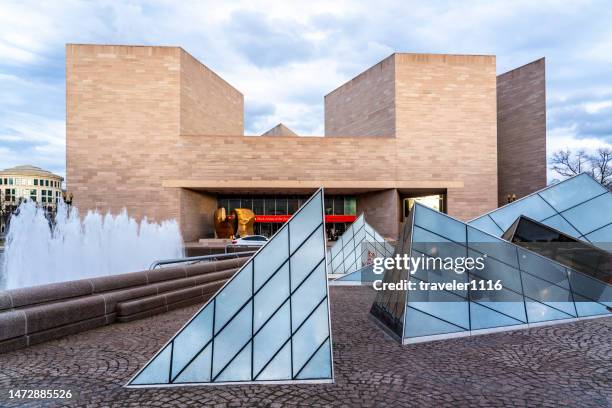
column 27, row 183
column 155, row 131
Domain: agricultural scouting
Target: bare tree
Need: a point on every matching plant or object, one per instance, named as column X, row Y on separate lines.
column 599, row 165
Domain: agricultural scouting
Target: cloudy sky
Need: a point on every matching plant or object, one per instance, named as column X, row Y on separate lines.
column 284, row 56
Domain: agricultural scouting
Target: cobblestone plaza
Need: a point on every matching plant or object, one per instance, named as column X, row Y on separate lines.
column 560, row 365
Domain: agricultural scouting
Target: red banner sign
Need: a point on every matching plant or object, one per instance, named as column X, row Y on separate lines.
column 285, row 217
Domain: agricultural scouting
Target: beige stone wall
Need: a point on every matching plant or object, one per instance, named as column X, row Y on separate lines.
column 521, row 130
column 127, row 107
column 364, row 106
column 209, row 105
column 446, row 126
column 382, row 210
column 122, row 117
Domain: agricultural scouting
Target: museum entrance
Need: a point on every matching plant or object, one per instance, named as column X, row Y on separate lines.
column 434, row 201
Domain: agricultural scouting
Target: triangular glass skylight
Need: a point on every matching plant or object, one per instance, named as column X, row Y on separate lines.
column 268, row 323
column 534, row 288
column 579, row 207
column 357, row 247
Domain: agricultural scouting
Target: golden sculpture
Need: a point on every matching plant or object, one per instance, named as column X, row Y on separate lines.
column 239, row 222
column 246, row 219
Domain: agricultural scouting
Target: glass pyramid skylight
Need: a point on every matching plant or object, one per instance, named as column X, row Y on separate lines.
column 357, row 247
column 534, row 288
column 579, row 207
column 268, row 323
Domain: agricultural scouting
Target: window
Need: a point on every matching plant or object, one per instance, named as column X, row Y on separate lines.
column 329, row 205
column 10, row 181
column 350, row 206
column 281, row 205
column 339, row 206
column 233, row 204
column 258, row 205
column 246, row 203
column 269, row 206
column 292, row 205
column 35, row 182
column 46, row 183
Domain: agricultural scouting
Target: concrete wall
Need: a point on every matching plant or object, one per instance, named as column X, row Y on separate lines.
column 364, row 106
column 127, row 107
column 382, row 210
column 521, row 130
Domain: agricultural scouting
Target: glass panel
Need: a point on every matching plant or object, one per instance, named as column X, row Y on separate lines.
column 337, row 248
column 280, row 366
column 503, row 301
column 439, row 223
column 192, row 338
column 539, row 312
column 349, row 262
column 304, row 260
column 586, row 307
column 483, row 318
column 532, row 206
column 352, row 277
column 231, row 339
column 590, row 288
column 360, row 235
column 158, row 370
column 496, row 270
column 271, row 337
column 337, row 266
column 486, row 224
column 434, row 245
column 559, row 223
column 319, row 366
column 233, row 296
column 420, row 324
column 543, row 268
column 308, row 295
column 271, row 296
column 305, row 221
column 271, row 257
column 310, row 336
column 359, row 222
column 431, row 273
column 493, row 247
column 198, row 370
column 572, row 191
column 549, row 294
column 441, row 304
column 239, row 369
column 592, row 214
column 602, row 238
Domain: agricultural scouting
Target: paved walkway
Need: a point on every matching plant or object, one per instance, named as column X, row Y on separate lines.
column 562, row 365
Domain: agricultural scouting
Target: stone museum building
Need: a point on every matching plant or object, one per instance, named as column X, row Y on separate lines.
column 154, row 130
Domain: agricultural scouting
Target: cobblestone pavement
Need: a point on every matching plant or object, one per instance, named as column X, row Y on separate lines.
column 562, row 365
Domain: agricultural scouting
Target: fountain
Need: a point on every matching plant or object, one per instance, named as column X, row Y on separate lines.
column 76, row 248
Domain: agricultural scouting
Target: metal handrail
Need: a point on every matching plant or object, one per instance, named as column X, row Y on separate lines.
column 196, row 259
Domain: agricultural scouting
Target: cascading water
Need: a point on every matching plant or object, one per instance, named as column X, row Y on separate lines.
column 74, row 248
